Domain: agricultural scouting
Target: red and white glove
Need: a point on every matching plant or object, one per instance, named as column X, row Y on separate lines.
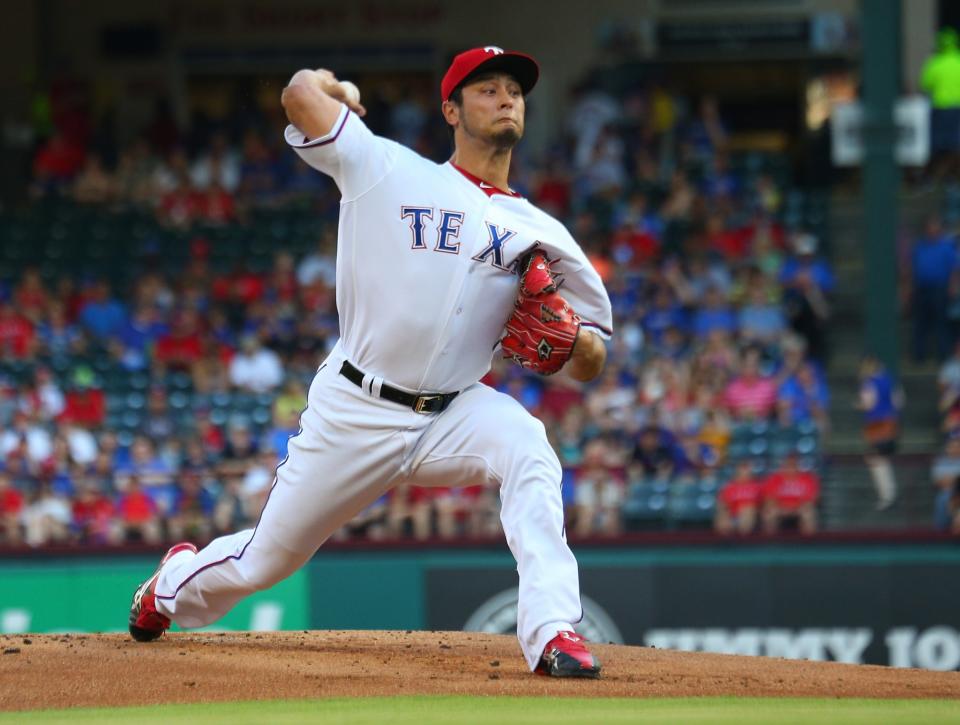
column 543, row 328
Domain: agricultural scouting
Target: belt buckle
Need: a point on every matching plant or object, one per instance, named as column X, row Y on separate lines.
column 423, row 400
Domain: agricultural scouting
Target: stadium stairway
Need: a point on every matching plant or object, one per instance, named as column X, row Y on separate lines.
column 848, row 496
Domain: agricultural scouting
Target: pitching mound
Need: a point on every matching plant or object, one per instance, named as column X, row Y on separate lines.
column 49, row 671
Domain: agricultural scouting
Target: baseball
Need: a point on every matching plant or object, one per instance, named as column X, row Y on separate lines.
column 351, row 94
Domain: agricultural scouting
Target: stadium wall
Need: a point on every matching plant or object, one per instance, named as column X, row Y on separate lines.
column 877, row 604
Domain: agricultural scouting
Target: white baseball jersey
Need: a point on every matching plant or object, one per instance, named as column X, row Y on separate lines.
column 424, row 287
column 424, row 260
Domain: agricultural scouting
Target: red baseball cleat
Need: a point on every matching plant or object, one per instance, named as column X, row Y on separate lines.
column 146, row 623
column 566, row 655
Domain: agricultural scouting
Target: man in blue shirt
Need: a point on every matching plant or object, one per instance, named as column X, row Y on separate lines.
column 933, row 267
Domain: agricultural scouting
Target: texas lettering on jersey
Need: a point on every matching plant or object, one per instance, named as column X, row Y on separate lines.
column 448, row 228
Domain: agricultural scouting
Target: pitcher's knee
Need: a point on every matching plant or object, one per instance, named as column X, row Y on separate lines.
column 268, row 568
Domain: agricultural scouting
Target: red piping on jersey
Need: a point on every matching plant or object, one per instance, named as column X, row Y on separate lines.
column 486, row 188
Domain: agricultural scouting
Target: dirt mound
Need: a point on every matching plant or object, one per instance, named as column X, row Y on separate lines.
column 48, row 671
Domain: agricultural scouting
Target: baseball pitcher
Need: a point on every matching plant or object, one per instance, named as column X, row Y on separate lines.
column 438, row 267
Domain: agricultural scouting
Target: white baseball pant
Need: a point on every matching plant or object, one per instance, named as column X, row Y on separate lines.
column 351, row 448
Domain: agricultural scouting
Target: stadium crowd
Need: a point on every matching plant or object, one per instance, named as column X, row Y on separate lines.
column 144, row 402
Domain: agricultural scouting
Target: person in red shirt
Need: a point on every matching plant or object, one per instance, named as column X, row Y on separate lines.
column 57, row 161
column 738, row 502
column 216, row 205
column 138, row 514
column 790, row 493
column 94, row 516
column 11, row 504
column 86, row 404
column 182, row 347
column 16, row 332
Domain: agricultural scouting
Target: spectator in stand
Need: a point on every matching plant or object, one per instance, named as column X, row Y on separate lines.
column 706, row 134
column 86, row 403
column 807, row 282
column 610, row 403
column 94, row 515
column 30, row 296
column 803, row 398
column 738, row 502
column 721, row 186
column 11, row 507
column 946, row 477
column 880, row 399
column 25, row 441
column 56, row 336
column 553, row 192
column 16, row 333
column 239, row 451
column 724, row 242
column 286, row 418
column 593, row 109
column 136, row 171
column 135, row 343
column 151, row 471
column 664, row 313
column 102, row 315
column 158, row 424
column 940, row 77
column 94, row 184
column 43, row 400
column 55, row 165
column 933, row 269
column 229, row 514
column 791, row 494
column 81, row 443
column 182, row 205
column 220, row 164
column 656, row 455
column 46, row 518
column 598, row 493
column 181, row 348
column 751, row 395
column 254, row 367
column 216, row 205
column 320, row 264
column 138, row 514
column 197, row 500
column 760, row 321
column 766, row 239
column 714, row 314
column 568, row 438
column 259, row 172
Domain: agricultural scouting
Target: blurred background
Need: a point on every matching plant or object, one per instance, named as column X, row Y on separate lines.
column 770, row 190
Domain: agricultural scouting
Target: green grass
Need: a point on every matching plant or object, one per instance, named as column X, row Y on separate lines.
column 445, row 710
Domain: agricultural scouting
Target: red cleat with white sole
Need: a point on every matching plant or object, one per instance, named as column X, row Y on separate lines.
column 566, row 655
column 146, row 623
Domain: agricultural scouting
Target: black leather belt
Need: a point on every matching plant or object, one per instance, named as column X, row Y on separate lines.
column 423, row 403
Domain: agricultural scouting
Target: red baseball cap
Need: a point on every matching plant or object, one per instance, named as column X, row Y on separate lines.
column 490, row 58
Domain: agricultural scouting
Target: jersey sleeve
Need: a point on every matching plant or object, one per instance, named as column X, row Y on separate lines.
column 580, row 284
column 350, row 154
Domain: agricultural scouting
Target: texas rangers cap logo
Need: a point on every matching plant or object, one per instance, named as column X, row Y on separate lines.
column 490, row 58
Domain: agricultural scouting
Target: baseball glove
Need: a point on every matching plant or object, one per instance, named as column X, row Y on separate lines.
column 543, row 328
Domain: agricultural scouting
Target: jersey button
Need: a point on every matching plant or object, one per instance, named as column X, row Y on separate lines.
column 459, row 310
